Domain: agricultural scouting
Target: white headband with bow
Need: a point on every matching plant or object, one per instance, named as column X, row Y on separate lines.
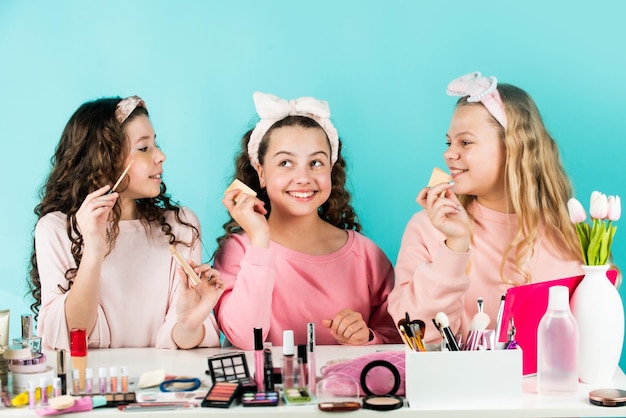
column 271, row 109
column 480, row 89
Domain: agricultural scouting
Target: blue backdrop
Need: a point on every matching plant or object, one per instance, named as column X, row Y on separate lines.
column 383, row 67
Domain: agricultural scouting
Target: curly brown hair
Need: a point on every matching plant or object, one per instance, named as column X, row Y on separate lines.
column 337, row 210
column 90, row 154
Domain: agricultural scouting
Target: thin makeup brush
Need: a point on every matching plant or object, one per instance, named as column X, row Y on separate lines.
column 418, row 328
column 479, row 323
column 193, row 277
column 406, row 337
column 403, row 324
column 119, row 180
column 444, row 325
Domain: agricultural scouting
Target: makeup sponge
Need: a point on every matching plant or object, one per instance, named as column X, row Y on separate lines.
column 438, row 176
column 151, row 379
column 243, row 187
column 61, row 402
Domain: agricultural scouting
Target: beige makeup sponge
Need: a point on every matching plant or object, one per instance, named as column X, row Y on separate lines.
column 438, row 176
column 151, row 379
column 240, row 185
column 61, row 402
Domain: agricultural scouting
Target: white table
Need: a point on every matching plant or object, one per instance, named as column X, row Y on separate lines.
column 194, row 363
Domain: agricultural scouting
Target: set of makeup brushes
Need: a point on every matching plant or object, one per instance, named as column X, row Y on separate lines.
column 478, row 338
column 412, row 332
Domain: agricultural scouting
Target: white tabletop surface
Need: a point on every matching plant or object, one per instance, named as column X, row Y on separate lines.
column 194, row 363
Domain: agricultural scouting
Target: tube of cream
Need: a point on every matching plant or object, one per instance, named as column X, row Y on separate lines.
column 86, row 403
column 78, row 352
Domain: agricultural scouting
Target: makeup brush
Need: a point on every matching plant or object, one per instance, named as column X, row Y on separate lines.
column 193, row 277
column 406, row 337
column 444, row 324
column 405, row 328
column 418, row 327
column 119, row 180
column 479, row 323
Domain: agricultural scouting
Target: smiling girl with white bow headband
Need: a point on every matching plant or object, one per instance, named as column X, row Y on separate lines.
column 293, row 254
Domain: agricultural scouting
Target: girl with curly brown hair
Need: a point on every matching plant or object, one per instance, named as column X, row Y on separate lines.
column 293, row 254
column 101, row 257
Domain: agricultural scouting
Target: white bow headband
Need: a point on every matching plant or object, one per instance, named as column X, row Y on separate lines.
column 480, row 89
column 271, row 109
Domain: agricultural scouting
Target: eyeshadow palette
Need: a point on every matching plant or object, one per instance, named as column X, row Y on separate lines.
column 221, row 395
column 296, row 395
column 231, row 367
column 260, row 399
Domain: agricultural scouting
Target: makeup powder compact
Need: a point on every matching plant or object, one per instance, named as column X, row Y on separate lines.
column 608, row 397
column 381, row 401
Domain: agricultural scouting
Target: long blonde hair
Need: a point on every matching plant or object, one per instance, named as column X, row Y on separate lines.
column 535, row 181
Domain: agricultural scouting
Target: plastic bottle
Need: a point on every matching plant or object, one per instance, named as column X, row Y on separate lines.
column 557, row 346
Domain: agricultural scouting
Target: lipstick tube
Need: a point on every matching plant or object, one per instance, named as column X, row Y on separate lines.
column 258, row 358
column 288, row 360
column 311, row 366
column 61, row 372
column 268, row 370
column 78, row 353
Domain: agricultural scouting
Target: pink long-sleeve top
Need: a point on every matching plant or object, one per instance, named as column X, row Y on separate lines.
column 138, row 287
column 278, row 289
column 431, row 278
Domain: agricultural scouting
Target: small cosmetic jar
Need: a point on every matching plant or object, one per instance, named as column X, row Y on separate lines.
column 36, row 364
column 338, row 394
column 380, row 380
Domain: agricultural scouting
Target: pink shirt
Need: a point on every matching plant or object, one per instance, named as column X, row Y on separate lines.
column 431, row 278
column 278, row 289
column 138, row 286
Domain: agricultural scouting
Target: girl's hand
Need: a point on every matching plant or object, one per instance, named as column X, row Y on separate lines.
column 348, row 327
column 195, row 304
column 447, row 215
column 249, row 212
column 92, row 217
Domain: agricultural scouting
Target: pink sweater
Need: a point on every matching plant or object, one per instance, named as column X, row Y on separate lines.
column 138, row 291
column 281, row 289
column 431, row 278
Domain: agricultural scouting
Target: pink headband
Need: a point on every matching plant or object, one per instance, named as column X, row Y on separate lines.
column 126, row 107
column 271, row 109
column 480, row 89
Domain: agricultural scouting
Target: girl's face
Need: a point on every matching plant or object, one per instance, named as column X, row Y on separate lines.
column 476, row 156
column 145, row 173
column 296, row 170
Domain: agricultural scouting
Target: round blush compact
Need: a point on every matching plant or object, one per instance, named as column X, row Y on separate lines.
column 387, row 401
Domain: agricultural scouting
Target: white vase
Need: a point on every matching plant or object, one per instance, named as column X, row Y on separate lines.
column 598, row 309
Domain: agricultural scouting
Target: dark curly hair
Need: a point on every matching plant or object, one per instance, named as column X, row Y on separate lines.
column 90, row 154
column 337, row 210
